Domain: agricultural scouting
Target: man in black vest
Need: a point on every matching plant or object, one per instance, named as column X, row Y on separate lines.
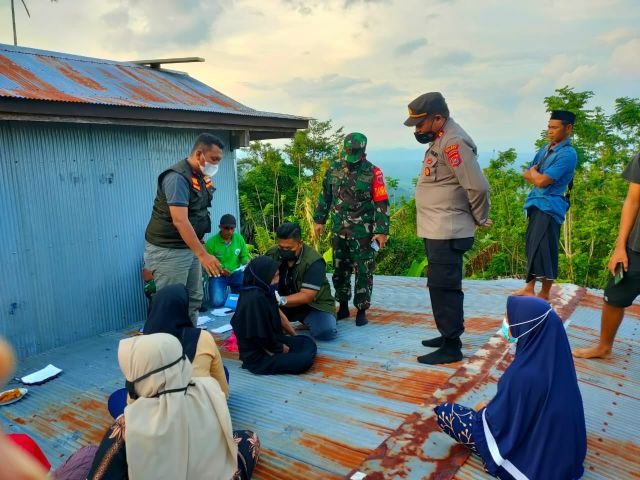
column 174, row 250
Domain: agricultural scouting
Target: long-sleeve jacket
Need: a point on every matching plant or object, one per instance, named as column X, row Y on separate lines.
column 452, row 193
column 355, row 196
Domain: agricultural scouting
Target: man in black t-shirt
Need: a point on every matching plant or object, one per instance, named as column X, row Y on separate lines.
column 624, row 262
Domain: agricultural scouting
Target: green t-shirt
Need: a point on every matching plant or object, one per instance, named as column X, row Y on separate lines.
column 231, row 255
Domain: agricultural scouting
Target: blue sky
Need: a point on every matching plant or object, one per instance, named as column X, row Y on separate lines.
column 360, row 62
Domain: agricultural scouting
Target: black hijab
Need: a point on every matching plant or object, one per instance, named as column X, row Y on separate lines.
column 169, row 313
column 257, row 312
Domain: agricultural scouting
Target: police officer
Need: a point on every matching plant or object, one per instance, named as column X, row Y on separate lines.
column 354, row 192
column 452, row 198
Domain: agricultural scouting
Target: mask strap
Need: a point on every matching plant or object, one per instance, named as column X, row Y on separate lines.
column 174, row 390
column 257, row 278
column 130, row 385
column 543, row 316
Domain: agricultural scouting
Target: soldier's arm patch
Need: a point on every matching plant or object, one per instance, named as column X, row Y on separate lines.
column 379, row 188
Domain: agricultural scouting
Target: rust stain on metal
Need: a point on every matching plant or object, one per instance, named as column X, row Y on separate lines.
column 592, row 301
column 621, row 454
column 481, row 325
column 340, row 453
column 31, row 86
column 273, row 466
column 70, row 73
column 385, row 317
column 411, row 386
column 19, row 421
column 144, row 94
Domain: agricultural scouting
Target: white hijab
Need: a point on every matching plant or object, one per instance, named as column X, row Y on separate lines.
column 180, row 435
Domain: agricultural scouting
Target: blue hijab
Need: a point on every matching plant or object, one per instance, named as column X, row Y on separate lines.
column 534, row 427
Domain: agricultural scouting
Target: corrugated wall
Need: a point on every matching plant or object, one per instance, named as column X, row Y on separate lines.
column 75, row 201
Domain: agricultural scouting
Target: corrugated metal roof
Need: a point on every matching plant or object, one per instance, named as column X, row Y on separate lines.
column 366, row 404
column 80, row 198
column 60, row 77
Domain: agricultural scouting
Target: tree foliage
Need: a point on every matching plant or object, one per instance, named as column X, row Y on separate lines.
column 282, row 184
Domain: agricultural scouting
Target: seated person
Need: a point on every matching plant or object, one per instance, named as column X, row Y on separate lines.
column 259, row 325
column 534, row 427
column 177, row 426
column 230, row 248
column 304, row 292
column 169, row 313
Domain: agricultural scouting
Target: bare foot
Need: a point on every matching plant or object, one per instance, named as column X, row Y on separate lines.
column 594, row 352
column 524, row 293
column 544, row 296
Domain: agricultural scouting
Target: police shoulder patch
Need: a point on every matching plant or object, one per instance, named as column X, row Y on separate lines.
column 453, row 153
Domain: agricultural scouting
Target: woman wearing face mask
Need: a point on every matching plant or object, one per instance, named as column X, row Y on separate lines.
column 258, row 325
column 534, row 427
column 177, row 427
column 169, row 313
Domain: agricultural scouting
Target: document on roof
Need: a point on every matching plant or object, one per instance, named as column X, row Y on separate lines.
column 221, row 312
column 202, row 319
column 222, row 329
column 41, row 376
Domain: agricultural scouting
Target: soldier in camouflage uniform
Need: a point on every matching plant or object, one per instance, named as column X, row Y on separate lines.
column 354, row 193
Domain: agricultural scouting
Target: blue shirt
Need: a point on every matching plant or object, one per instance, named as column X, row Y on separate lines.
column 559, row 163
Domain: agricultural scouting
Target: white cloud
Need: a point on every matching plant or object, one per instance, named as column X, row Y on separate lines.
column 361, row 62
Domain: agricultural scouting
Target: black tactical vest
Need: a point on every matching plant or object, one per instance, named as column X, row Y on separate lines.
column 161, row 231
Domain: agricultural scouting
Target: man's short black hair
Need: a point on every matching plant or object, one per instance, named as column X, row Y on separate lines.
column 207, row 140
column 289, row 230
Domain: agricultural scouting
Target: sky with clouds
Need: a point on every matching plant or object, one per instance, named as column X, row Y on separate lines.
column 360, row 62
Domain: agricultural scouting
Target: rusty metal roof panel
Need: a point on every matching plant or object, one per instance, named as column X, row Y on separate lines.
column 60, row 77
column 365, row 405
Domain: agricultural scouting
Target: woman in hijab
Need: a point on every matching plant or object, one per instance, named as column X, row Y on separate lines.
column 177, row 426
column 534, row 427
column 169, row 313
column 258, row 325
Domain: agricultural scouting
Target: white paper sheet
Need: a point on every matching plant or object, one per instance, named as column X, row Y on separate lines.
column 221, row 312
column 202, row 319
column 222, row 329
column 41, row 375
column 240, row 269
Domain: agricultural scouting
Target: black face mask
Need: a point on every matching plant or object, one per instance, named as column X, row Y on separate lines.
column 287, row 255
column 130, row 385
column 426, row 137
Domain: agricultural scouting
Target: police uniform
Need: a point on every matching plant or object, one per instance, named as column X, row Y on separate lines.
column 354, row 193
column 452, row 199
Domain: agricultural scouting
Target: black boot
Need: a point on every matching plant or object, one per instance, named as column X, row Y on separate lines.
column 343, row 311
column 449, row 352
column 433, row 342
column 361, row 318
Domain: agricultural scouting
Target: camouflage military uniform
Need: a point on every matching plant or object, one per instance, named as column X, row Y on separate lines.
column 354, row 194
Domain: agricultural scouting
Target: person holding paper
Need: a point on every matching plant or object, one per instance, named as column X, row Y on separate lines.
column 169, row 313
column 259, row 326
column 230, row 249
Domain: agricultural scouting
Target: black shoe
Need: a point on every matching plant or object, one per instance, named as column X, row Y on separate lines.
column 449, row 352
column 343, row 311
column 433, row 342
column 361, row 318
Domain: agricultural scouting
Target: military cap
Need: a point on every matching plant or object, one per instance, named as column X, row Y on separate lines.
column 431, row 103
column 228, row 220
column 563, row 115
column 354, row 146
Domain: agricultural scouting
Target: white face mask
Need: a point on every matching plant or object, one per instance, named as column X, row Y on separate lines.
column 209, row 169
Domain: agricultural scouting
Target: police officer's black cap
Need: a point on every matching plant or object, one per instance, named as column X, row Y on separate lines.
column 431, row 103
column 228, row 220
column 564, row 115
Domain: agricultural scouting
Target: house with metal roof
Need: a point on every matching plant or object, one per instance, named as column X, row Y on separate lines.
column 82, row 141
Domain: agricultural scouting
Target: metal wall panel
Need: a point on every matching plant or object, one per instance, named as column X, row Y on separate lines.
column 75, row 202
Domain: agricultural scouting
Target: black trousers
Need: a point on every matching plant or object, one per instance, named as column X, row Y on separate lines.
column 444, row 273
column 302, row 352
